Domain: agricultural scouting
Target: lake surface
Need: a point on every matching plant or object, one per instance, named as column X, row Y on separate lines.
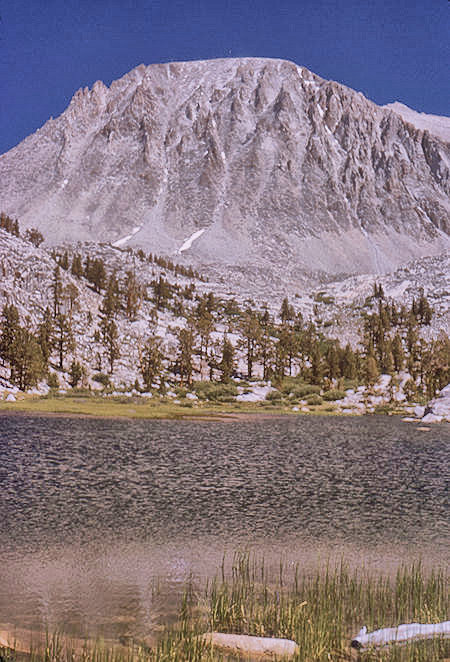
column 101, row 520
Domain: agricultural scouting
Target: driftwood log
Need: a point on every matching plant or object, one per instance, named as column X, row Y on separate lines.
column 242, row 643
column 401, row 634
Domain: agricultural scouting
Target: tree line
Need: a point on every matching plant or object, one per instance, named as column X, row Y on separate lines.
column 273, row 346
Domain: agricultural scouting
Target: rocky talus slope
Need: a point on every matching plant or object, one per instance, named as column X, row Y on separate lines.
column 248, row 163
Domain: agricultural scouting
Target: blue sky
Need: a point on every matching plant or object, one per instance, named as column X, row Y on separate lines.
column 387, row 49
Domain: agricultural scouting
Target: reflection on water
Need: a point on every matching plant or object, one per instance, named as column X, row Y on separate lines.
column 101, row 519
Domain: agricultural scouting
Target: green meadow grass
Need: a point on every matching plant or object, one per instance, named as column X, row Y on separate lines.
column 114, row 407
column 136, row 407
column 321, row 611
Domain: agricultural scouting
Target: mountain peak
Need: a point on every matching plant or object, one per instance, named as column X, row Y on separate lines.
column 273, row 164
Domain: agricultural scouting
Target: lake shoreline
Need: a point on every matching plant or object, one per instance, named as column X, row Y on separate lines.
column 197, row 417
column 110, row 410
column 206, row 417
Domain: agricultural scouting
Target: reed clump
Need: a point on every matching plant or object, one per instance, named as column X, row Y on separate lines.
column 320, row 610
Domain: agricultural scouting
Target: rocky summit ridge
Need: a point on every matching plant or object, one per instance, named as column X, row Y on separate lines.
column 242, row 163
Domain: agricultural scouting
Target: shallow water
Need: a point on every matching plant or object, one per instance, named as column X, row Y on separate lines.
column 103, row 520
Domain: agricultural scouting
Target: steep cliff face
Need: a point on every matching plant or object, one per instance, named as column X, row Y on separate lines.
column 277, row 167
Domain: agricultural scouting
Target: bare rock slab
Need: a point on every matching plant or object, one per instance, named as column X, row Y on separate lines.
column 438, row 409
column 253, row 646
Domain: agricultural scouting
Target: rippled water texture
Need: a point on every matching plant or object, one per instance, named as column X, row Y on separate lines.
column 95, row 513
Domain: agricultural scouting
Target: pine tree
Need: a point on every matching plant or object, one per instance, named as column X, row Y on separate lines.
column 57, row 290
column 402, row 315
column 75, row 373
column 371, row 370
column 427, row 313
column 394, row 315
column 108, row 333
column 227, row 363
column 151, row 358
column 64, row 340
column 94, row 271
column 28, row 365
column 317, row 367
column 110, row 340
column 20, row 349
column 302, row 343
column 162, row 293
column 111, row 301
column 213, row 358
column 53, row 381
column 251, row 331
column 333, row 370
column 98, row 274
column 378, row 291
column 282, row 352
column 64, row 261
column 293, row 344
column 9, row 328
column 87, row 268
column 412, row 335
column 410, row 390
column 385, row 317
column 348, row 363
column 287, row 312
column 211, row 303
column 34, row 237
column 204, row 326
column 265, row 343
column 437, row 365
column 10, row 225
column 397, row 353
column 45, row 335
column 380, row 348
column 77, row 267
column 424, row 311
column 186, row 342
column 387, row 363
column 133, row 297
column 71, row 293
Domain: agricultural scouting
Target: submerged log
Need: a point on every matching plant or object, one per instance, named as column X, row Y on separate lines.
column 401, row 634
column 17, row 640
column 250, row 645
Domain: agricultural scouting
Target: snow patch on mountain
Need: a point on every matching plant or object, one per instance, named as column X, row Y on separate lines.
column 190, row 240
column 121, row 242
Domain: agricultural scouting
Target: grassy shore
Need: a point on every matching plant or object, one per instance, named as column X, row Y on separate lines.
column 321, row 611
column 153, row 408
column 136, row 407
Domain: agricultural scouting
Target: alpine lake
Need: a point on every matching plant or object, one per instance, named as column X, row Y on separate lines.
column 104, row 521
